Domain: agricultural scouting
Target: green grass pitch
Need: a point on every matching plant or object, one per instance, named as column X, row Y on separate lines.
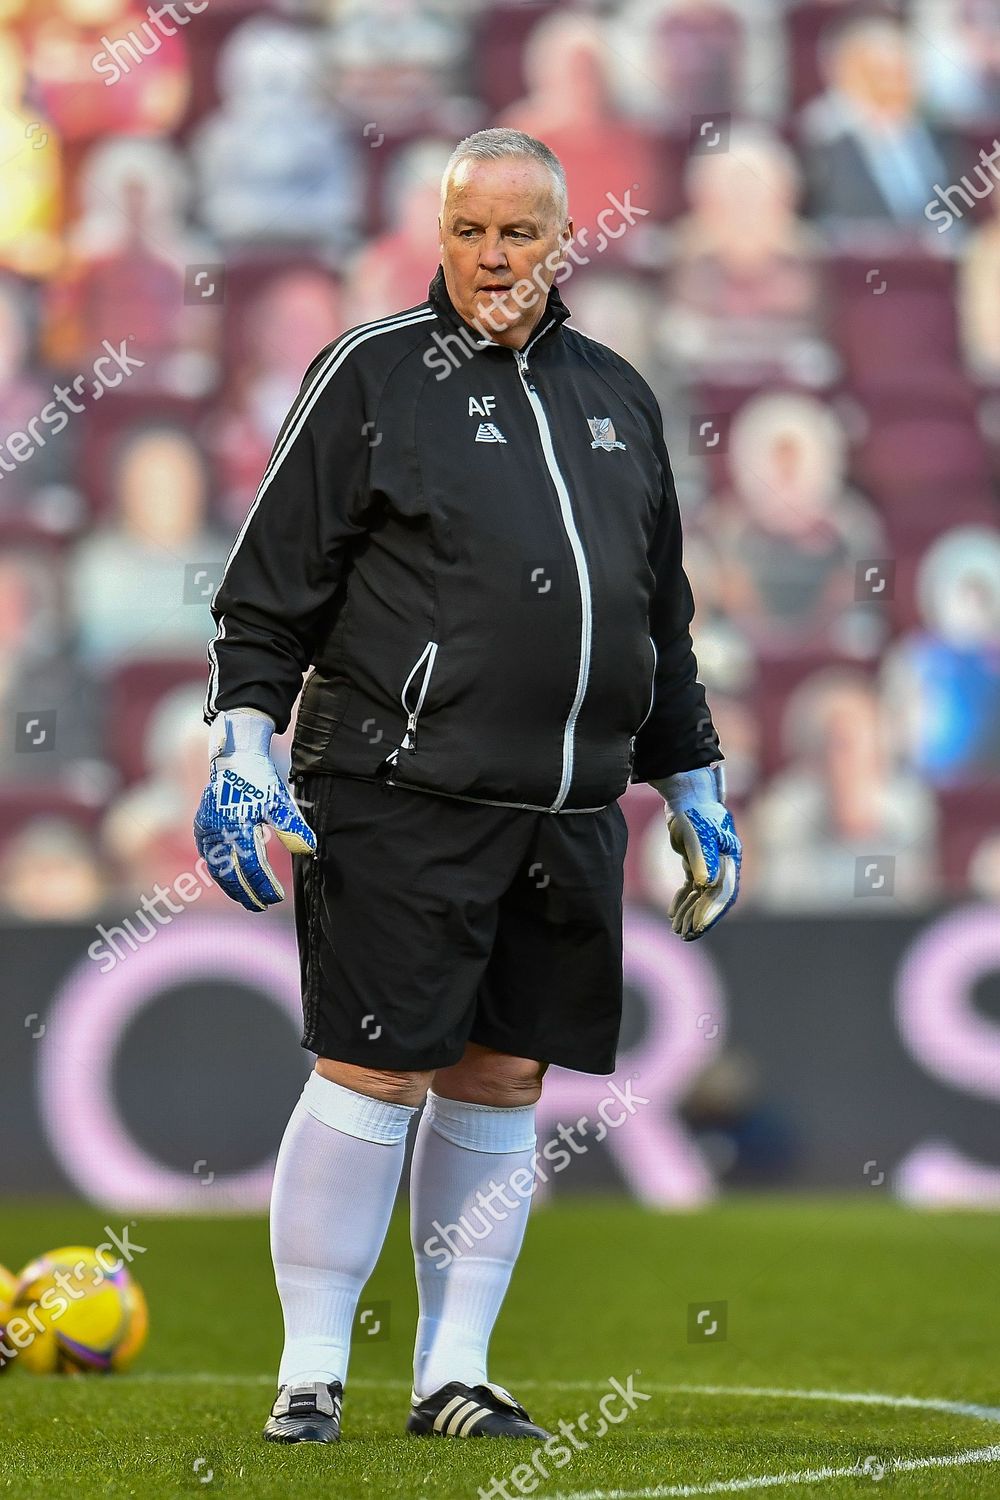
column 824, row 1298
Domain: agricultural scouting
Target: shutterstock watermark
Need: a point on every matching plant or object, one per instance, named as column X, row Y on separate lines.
column 619, row 1402
column 612, row 222
column 450, row 1241
column 108, row 371
column 70, row 1287
column 115, row 56
column 943, row 210
column 188, row 886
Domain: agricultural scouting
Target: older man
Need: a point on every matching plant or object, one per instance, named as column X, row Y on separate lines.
column 468, row 536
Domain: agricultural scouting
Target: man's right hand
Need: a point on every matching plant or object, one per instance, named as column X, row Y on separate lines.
column 245, row 794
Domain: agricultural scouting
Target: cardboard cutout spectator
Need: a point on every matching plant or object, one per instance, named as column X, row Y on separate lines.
column 743, row 289
column 50, row 873
column 30, row 173
column 943, row 681
column 844, row 801
column 126, row 272
column 395, row 68
column 789, row 536
column 40, row 675
column 958, row 44
column 685, row 58
column 132, row 587
column 301, row 182
column 979, row 297
column 571, row 106
column 282, row 330
column 871, row 155
column 395, row 268
column 35, row 493
column 139, row 85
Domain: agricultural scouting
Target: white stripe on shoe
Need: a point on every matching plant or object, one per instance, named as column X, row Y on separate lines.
column 446, row 1411
column 455, row 1421
column 466, row 1428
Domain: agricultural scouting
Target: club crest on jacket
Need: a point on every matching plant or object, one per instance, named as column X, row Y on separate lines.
column 602, row 430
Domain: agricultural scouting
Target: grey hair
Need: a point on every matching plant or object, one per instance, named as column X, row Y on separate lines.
column 498, row 144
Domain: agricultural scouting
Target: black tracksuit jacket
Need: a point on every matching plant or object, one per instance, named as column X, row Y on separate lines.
column 477, row 552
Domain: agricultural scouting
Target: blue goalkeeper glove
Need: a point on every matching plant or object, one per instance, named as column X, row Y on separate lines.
column 702, row 833
column 244, row 794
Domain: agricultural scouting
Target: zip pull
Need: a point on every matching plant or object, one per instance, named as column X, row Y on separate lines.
column 425, row 660
column 409, row 740
column 527, row 380
column 522, row 356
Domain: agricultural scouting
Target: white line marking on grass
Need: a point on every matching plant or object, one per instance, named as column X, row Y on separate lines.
column 968, row 1456
column 989, row 1455
column 802, row 1476
column 857, row 1398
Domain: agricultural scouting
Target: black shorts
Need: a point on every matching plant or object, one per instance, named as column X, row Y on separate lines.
column 426, row 921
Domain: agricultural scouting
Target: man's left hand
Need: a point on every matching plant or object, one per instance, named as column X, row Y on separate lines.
column 702, row 833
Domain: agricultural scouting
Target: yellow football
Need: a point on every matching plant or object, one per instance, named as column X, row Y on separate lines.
column 76, row 1310
column 8, row 1285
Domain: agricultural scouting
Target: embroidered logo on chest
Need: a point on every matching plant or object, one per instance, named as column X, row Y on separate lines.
column 602, row 430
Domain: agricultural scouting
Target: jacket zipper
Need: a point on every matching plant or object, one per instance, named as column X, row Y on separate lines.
column 425, row 660
column 579, row 557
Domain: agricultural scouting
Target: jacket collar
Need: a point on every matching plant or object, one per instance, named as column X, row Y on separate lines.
column 555, row 314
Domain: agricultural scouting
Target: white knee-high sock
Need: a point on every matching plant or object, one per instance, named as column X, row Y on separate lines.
column 466, row 1234
column 335, row 1180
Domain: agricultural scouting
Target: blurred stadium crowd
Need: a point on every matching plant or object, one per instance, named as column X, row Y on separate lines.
column 194, row 201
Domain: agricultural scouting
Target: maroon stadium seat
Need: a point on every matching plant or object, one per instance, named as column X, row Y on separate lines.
column 497, row 48
column 922, row 454
column 968, row 813
column 134, row 690
column 25, row 803
column 934, row 393
column 894, row 317
column 915, row 518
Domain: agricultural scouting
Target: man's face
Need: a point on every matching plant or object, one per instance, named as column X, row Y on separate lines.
column 501, row 227
column 877, row 72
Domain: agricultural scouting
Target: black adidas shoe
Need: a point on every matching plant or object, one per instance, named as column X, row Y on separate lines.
column 464, row 1411
column 306, row 1414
